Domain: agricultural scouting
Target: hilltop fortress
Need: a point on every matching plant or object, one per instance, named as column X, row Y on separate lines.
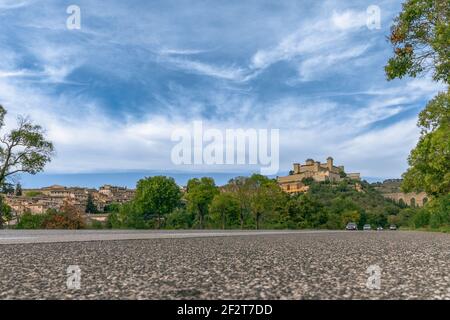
column 315, row 170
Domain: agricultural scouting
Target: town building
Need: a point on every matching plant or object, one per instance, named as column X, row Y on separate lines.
column 39, row 201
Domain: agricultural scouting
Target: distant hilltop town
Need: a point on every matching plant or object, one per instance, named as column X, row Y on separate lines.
column 320, row 172
column 38, row 201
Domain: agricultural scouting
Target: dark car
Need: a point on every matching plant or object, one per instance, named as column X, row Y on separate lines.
column 351, row 226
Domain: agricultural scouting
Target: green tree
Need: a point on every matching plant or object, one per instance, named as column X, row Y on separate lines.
column 240, row 187
column 112, row 207
column 421, row 40
column 31, row 221
column 7, row 211
column 420, row 37
column 429, row 162
column 265, row 196
column 225, row 208
column 180, row 218
column 421, row 218
column 305, row 212
column 200, row 193
column 7, row 188
column 23, row 149
column 157, row 196
column 90, row 205
column 350, row 216
column 439, row 210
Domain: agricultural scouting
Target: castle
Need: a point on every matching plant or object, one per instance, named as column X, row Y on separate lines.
column 315, row 170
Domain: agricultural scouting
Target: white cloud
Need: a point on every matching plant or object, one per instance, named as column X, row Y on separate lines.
column 228, row 73
column 318, row 45
column 13, row 4
column 316, row 65
column 349, row 19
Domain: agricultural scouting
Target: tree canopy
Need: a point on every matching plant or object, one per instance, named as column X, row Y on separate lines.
column 421, row 40
column 157, row 196
column 200, row 193
column 24, row 149
column 420, row 37
column 430, row 160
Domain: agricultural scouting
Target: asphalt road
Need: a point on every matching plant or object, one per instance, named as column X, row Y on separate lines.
column 46, row 236
column 209, row 265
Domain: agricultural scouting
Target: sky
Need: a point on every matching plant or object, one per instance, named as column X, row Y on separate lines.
column 111, row 93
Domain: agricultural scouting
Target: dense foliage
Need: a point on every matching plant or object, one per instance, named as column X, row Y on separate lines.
column 420, row 37
column 421, row 40
column 258, row 202
column 430, row 161
column 68, row 218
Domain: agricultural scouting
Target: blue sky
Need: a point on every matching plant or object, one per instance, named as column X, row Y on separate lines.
column 111, row 94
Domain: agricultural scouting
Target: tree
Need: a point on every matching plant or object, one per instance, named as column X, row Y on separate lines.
column 420, row 37
column 429, row 161
column 305, row 212
column 200, row 193
column 350, row 216
column 239, row 186
column 225, row 208
column 112, row 207
column 7, row 211
column 7, row 188
column 157, row 196
column 70, row 217
column 23, row 150
column 265, row 195
column 180, row 218
column 90, row 205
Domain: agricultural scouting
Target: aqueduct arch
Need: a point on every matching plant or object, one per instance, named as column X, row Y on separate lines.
column 411, row 199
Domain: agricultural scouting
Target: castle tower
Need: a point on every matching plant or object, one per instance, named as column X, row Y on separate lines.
column 330, row 163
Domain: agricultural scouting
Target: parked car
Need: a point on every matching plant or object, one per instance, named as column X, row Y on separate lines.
column 367, row 227
column 380, row 228
column 351, row 226
column 393, row 227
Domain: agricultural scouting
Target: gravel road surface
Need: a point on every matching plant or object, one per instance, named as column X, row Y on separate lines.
column 210, row 265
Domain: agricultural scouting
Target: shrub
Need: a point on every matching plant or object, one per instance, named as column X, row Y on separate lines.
column 31, row 221
column 97, row 225
column 439, row 210
column 421, row 218
column 180, row 219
